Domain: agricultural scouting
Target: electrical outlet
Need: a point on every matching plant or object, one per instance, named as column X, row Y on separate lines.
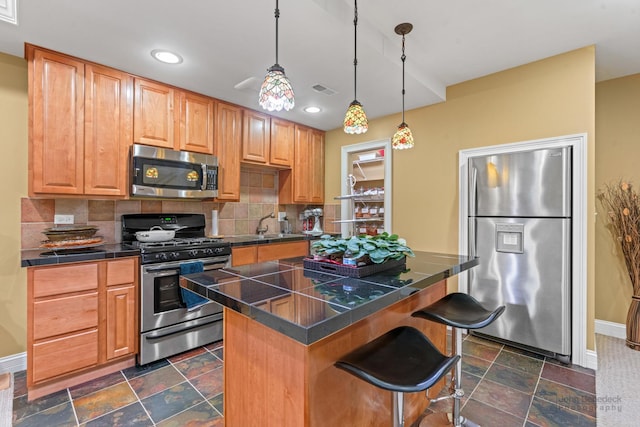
column 282, row 216
column 63, row 219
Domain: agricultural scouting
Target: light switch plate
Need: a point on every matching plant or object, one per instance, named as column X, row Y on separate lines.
column 63, row 219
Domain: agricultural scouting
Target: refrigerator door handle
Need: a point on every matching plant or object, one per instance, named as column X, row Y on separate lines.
column 472, row 237
column 473, row 182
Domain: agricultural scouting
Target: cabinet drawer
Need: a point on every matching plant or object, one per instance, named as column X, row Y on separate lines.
column 58, row 280
column 121, row 272
column 60, row 356
column 244, row 255
column 64, row 315
column 274, row 251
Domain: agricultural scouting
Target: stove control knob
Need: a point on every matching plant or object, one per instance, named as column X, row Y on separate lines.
column 162, row 256
column 174, row 255
column 208, row 251
column 193, row 252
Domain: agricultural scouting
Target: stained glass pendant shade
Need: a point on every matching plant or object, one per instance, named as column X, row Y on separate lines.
column 403, row 138
column 276, row 92
column 355, row 119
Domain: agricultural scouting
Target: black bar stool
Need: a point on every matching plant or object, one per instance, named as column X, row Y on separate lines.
column 460, row 311
column 402, row 360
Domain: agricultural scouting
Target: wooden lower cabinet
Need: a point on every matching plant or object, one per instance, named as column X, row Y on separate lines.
column 242, row 255
column 121, row 314
column 82, row 322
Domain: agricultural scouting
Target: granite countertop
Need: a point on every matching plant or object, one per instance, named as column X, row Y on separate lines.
column 41, row 257
column 319, row 303
column 254, row 239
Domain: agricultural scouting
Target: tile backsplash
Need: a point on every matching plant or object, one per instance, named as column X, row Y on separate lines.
column 258, row 197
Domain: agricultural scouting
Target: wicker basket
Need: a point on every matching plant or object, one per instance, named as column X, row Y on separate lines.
column 349, row 271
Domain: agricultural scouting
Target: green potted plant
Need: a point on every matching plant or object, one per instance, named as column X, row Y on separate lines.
column 364, row 249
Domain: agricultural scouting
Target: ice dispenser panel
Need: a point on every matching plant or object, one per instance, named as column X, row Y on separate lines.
column 509, row 238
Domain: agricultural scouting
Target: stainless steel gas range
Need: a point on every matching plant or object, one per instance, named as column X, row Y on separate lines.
column 167, row 326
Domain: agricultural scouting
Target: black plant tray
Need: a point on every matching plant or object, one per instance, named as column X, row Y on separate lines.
column 346, row 270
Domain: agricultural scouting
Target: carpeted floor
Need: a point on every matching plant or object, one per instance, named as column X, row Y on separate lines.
column 617, row 383
column 6, row 399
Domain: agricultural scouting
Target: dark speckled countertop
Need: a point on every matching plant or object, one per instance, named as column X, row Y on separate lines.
column 40, row 257
column 321, row 303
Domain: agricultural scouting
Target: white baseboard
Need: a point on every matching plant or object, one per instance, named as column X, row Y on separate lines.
column 14, row 363
column 611, row 329
column 591, row 359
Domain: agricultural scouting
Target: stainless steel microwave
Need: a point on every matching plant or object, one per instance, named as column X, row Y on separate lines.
column 163, row 173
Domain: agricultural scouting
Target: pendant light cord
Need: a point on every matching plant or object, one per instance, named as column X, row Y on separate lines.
column 403, row 57
column 277, row 15
column 355, row 49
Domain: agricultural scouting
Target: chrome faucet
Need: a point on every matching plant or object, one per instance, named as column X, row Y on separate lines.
column 259, row 230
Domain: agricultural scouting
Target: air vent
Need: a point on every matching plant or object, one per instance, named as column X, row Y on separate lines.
column 323, row 89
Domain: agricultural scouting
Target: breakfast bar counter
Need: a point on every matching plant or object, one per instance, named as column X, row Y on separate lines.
column 286, row 325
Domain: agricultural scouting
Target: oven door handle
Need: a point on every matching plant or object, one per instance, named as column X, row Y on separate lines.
column 185, row 327
column 211, row 265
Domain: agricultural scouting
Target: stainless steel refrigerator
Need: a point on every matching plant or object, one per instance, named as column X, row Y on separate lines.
column 520, row 229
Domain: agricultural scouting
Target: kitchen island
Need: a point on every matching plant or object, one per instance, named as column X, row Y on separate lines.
column 285, row 326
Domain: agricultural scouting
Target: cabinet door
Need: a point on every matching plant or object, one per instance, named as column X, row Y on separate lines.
column 243, row 255
column 121, row 321
column 108, row 127
column 196, row 123
column 228, row 140
column 273, row 251
column 153, row 118
column 281, row 146
column 302, row 170
column 256, row 137
column 56, row 93
column 316, row 175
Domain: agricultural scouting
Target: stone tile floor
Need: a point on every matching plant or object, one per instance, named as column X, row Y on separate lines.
column 504, row 387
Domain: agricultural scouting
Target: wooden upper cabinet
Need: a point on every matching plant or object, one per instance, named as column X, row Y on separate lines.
column 304, row 183
column 282, row 138
column 196, row 122
column 154, row 117
column 267, row 140
column 56, row 110
column 256, row 136
column 228, row 141
column 316, row 180
column 80, row 126
column 108, row 128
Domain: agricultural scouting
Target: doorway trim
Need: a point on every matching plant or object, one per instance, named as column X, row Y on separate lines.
column 345, row 205
column 580, row 355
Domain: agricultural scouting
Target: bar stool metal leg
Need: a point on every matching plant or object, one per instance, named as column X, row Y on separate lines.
column 459, row 311
column 398, row 409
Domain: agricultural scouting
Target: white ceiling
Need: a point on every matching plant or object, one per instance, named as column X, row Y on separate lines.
column 225, row 43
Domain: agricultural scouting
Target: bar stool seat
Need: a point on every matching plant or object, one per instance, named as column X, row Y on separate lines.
column 402, row 360
column 459, row 310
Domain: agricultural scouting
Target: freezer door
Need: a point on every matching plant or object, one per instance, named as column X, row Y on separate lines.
column 524, row 184
column 524, row 263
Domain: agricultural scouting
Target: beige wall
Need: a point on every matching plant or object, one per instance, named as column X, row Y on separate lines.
column 13, row 176
column 547, row 98
column 618, row 154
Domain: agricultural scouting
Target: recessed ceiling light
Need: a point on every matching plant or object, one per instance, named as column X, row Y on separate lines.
column 312, row 109
column 166, row 56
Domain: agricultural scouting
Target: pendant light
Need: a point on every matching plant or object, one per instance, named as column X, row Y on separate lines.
column 276, row 92
column 355, row 120
column 403, row 138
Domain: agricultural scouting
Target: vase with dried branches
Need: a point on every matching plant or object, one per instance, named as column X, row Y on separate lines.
column 622, row 204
